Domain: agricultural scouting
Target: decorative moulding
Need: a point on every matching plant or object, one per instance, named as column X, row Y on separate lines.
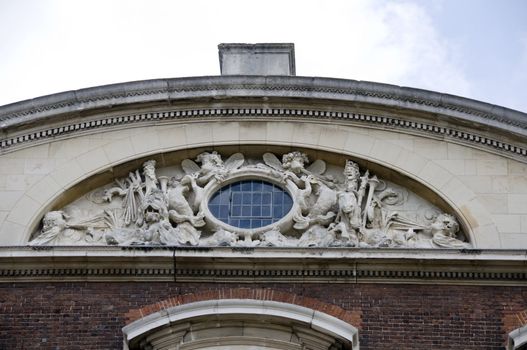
column 243, row 264
column 471, row 116
column 475, row 139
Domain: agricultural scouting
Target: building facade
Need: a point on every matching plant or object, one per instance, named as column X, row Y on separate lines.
column 261, row 210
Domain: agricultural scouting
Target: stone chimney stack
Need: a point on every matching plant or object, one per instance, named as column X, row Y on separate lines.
column 257, row 59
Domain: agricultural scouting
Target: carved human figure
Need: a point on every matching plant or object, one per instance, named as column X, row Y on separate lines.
column 444, row 232
column 53, row 226
column 149, row 170
column 56, row 230
column 348, row 217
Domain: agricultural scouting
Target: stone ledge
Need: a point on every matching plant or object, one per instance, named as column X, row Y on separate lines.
column 486, row 267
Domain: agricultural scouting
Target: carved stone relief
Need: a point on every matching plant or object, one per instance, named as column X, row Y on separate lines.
column 332, row 207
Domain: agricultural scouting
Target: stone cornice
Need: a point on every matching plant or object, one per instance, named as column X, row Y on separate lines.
column 430, row 128
column 263, row 265
column 166, row 91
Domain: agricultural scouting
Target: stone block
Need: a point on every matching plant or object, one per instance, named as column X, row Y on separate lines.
column 457, row 191
column 44, row 190
column 471, row 167
column 198, row 134
column 12, row 234
column 332, row 136
column 68, row 149
column 487, row 237
column 492, row 167
column 9, row 199
column 476, row 213
column 523, row 223
column 306, row 134
column 410, row 162
column 172, row 137
column 39, row 166
column 507, row 223
column 405, row 144
column 93, row 160
column 225, row 132
column 10, row 166
column 146, row 142
column 257, row 59
column 517, row 183
column 478, row 184
column 359, row 143
column 119, row 150
column 38, row 151
column 495, row 203
column 513, row 240
column 19, row 182
column 517, row 203
column 253, row 132
column 68, row 174
column 455, row 151
column 455, row 166
column 435, row 175
column 500, row 184
column 385, row 151
column 516, row 167
column 430, row 148
column 23, row 211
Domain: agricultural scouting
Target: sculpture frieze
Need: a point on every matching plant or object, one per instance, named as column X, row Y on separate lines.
column 332, row 207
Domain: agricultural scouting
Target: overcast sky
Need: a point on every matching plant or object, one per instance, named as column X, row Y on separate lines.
column 472, row 48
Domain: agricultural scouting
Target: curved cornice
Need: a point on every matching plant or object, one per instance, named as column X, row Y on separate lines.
column 166, row 91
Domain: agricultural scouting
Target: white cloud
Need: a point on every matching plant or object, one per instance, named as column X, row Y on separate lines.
column 77, row 44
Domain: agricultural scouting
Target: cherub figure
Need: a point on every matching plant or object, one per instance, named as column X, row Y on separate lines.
column 292, row 166
column 212, row 166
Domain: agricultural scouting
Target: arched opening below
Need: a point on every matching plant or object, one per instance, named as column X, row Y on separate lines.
column 240, row 324
column 517, row 339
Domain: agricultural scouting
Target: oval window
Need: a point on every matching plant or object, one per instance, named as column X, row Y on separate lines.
column 250, row 204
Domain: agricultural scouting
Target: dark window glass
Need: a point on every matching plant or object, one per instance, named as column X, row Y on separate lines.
column 250, row 204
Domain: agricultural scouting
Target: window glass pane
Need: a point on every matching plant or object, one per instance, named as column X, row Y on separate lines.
column 250, row 204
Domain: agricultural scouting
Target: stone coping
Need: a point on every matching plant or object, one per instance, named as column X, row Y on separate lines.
column 168, row 91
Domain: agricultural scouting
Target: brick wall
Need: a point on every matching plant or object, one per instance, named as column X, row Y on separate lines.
column 91, row 315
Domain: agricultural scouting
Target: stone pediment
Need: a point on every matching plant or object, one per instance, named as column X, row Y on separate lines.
column 265, row 200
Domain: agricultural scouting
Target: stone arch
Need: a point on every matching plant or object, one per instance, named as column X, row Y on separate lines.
column 250, row 314
column 351, row 141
